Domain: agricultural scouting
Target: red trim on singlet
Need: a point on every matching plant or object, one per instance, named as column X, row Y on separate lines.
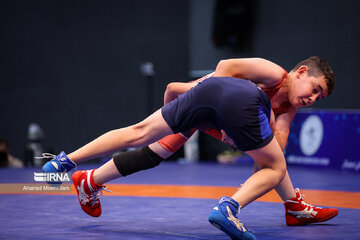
column 271, row 91
column 204, row 77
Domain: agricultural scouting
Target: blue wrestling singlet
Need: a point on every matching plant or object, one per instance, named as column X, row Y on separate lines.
column 234, row 105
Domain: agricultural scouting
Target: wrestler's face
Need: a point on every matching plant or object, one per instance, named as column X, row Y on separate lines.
column 305, row 89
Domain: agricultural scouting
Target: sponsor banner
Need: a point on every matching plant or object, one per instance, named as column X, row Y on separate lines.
column 325, row 139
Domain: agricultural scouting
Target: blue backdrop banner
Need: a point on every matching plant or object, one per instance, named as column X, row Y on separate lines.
column 322, row 138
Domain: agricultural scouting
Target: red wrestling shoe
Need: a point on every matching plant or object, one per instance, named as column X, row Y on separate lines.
column 88, row 192
column 300, row 213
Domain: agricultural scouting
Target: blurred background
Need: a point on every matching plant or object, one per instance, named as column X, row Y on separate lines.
column 77, row 69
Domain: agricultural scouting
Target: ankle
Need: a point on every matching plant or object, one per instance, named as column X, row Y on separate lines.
column 97, row 180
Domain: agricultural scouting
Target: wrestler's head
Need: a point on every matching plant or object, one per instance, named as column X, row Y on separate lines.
column 310, row 80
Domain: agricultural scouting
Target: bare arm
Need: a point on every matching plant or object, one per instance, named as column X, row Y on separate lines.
column 282, row 127
column 260, row 71
column 176, row 88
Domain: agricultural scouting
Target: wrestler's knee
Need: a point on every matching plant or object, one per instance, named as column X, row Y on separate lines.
column 281, row 172
column 278, row 170
column 137, row 160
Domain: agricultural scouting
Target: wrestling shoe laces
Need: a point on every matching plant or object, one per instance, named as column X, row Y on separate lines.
column 89, row 193
column 46, row 156
column 94, row 195
column 309, row 210
column 239, row 225
column 59, row 163
column 298, row 212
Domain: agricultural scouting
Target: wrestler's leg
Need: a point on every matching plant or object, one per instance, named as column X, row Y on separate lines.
column 168, row 145
column 273, row 169
column 88, row 184
column 294, row 203
column 106, row 173
column 149, row 130
column 285, row 188
column 130, row 162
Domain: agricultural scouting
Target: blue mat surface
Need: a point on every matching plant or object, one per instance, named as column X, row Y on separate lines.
column 60, row 217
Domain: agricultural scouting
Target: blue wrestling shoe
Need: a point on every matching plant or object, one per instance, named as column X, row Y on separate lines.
column 59, row 163
column 223, row 216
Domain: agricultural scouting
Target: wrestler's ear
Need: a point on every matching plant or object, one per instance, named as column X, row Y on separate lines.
column 301, row 71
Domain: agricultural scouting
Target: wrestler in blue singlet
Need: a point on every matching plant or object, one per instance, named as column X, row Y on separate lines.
column 234, row 105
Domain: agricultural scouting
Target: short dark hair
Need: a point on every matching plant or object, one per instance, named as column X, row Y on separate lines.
column 319, row 66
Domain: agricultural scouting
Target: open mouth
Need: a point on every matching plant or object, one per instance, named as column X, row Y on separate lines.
column 303, row 102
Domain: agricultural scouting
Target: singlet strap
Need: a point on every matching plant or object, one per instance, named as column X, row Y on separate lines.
column 279, row 84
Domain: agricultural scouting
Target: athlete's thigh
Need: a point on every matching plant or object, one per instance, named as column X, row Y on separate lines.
column 154, row 127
